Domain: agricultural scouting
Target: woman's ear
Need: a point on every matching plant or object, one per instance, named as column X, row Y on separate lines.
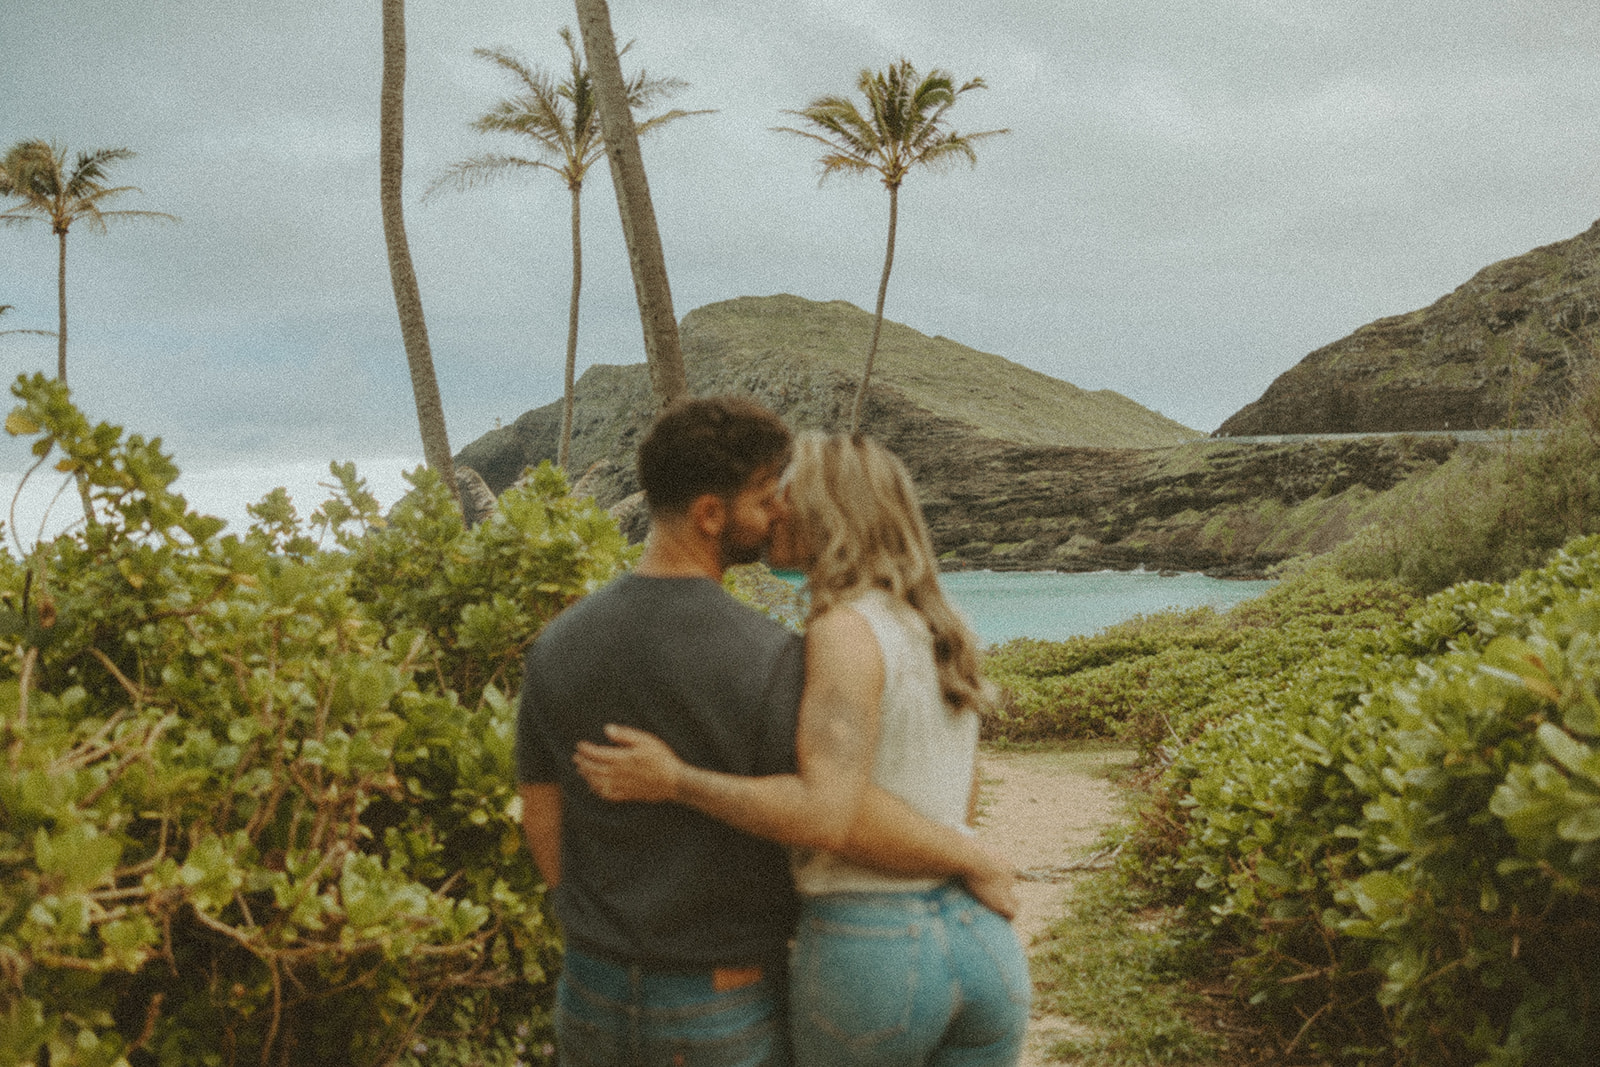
column 708, row 515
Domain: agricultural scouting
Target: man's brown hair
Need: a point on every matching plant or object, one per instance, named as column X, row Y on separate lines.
column 714, row 444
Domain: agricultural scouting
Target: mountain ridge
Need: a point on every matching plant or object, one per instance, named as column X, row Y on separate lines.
column 1498, row 351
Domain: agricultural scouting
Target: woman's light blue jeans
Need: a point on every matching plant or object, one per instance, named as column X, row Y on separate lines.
column 906, row 980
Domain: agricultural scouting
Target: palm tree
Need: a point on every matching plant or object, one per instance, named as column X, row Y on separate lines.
column 562, row 122
column 4, row 333
column 903, row 128
column 661, row 348
column 402, row 272
column 37, row 173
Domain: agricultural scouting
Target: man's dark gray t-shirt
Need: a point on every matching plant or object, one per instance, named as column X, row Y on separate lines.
column 661, row 884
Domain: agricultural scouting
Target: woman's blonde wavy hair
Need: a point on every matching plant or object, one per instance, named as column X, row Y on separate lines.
column 857, row 522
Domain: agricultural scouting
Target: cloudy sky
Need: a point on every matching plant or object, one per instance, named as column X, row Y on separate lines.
column 1194, row 195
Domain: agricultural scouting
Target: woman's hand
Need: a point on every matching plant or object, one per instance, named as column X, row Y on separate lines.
column 994, row 884
column 637, row 765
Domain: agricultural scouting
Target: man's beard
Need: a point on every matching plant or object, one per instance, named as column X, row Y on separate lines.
column 736, row 553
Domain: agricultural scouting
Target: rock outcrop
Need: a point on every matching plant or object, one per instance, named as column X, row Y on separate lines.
column 1499, row 351
column 1231, row 510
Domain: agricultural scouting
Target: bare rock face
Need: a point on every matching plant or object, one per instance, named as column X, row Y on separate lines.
column 1229, row 509
column 1499, row 351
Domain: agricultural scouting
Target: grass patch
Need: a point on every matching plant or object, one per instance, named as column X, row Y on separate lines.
column 1122, row 975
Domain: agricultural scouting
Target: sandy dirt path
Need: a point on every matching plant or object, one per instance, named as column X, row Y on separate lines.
column 1045, row 810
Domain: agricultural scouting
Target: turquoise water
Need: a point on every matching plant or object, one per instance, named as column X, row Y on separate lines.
column 1053, row 606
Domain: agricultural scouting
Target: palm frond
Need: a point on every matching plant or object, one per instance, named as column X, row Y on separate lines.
column 33, row 171
column 539, row 118
column 578, row 90
column 479, row 170
column 560, row 117
column 838, row 163
column 644, row 90
column 123, row 213
column 655, row 122
column 832, row 145
column 20, row 214
column 6, row 333
column 91, row 214
column 946, row 151
column 90, row 171
column 843, row 127
column 510, row 62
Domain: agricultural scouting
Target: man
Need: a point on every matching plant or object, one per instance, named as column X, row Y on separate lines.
column 676, row 926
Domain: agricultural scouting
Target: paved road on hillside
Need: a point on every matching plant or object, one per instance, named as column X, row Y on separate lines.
column 1489, row 436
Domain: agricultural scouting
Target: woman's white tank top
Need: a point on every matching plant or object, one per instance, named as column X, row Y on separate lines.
column 925, row 751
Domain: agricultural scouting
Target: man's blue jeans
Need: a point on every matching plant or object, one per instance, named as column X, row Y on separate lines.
column 903, row 979
column 616, row 1015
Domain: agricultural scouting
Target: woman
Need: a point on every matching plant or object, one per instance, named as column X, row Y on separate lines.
column 887, row 971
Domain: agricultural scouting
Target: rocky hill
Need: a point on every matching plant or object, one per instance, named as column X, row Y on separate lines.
column 1017, row 471
column 930, row 397
column 1499, row 351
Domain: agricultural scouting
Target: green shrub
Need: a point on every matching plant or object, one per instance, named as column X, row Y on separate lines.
column 256, row 803
column 1490, row 511
column 1158, row 680
column 1401, row 848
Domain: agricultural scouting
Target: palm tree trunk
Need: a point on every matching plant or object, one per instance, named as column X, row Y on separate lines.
column 564, row 449
column 402, row 272
column 61, row 356
column 639, row 229
column 61, row 307
column 877, row 316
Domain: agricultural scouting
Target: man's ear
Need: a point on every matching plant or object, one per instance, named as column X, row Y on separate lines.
column 708, row 515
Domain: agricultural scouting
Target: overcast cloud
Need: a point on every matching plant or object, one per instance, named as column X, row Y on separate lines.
column 1195, row 194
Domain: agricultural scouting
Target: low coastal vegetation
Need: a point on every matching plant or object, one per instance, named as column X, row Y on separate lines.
column 1370, row 816
column 1157, row 681
column 257, row 791
column 1396, row 849
column 1490, row 512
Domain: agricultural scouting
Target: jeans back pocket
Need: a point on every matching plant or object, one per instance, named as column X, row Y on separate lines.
column 855, row 984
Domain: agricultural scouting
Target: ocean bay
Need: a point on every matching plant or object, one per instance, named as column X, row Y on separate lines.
column 1053, row 605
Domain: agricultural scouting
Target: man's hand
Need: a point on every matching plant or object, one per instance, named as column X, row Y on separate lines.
column 637, row 765
column 995, row 885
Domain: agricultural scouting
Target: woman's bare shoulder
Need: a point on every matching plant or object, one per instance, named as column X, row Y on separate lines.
column 838, row 622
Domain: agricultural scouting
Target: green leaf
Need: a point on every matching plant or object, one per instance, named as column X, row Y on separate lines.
column 1381, row 895
column 1572, row 754
column 20, row 424
column 79, row 856
column 1582, row 716
column 1274, row 875
column 1583, row 825
column 129, row 941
